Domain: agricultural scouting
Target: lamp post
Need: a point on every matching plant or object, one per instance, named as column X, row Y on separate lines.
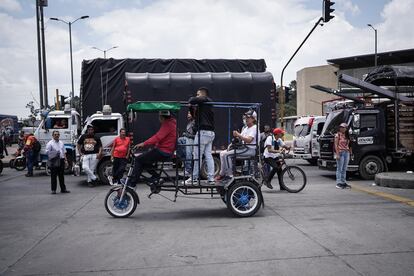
column 72, row 94
column 376, row 43
column 104, row 51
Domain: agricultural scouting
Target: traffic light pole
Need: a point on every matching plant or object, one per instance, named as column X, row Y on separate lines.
column 281, row 90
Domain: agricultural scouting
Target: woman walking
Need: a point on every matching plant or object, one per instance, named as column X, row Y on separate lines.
column 342, row 152
column 119, row 156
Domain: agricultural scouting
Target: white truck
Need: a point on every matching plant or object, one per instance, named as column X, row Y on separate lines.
column 107, row 126
column 68, row 123
column 306, row 132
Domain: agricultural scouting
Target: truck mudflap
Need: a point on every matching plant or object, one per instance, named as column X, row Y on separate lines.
column 330, row 165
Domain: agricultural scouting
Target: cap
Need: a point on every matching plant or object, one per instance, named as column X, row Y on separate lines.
column 165, row 113
column 252, row 114
column 278, row 131
column 343, row 125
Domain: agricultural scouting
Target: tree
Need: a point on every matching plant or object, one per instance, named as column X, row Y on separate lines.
column 290, row 107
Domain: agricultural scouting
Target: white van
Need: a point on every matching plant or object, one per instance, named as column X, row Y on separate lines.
column 306, row 131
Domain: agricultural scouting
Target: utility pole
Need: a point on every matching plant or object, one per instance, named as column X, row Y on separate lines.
column 45, row 94
column 39, row 55
column 327, row 11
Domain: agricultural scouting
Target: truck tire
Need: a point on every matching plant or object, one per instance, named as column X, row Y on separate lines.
column 370, row 166
column 203, row 172
column 104, row 169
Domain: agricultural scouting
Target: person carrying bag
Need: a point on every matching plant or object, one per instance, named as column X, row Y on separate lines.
column 55, row 150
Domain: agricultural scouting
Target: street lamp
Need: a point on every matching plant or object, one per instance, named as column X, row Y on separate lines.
column 70, row 43
column 104, row 51
column 376, row 43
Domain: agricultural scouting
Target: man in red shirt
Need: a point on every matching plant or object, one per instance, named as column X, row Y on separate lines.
column 163, row 143
column 119, row 156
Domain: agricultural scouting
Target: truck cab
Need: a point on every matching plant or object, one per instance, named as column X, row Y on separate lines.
column 306, row 132
column 107, row 126
column 367, row 131
column 67, row 122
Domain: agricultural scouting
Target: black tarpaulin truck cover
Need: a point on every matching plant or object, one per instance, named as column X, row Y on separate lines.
column 244, row 87
column 102, row 80
column 391, row 75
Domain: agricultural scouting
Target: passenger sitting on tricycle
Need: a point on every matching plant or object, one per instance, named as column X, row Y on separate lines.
column 246, row 147
column 163, row 143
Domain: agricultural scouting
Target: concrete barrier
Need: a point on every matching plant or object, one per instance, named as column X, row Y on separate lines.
column 403, row 180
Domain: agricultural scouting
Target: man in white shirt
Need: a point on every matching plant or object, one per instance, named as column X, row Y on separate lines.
column 56, row 152
column 248, row 137
column 274, row 145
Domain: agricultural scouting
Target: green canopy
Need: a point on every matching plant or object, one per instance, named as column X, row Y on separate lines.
column 153, row 106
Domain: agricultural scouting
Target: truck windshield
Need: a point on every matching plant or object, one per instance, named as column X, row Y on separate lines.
column 302, row 130
column 333, row 120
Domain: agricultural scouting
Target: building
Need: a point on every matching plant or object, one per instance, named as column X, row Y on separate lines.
column 309, row 100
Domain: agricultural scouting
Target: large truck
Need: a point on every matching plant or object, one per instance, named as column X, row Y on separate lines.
column 307, row 130
column 9, row 124
column 380, row 120
column 120, row 82
column 68, row 123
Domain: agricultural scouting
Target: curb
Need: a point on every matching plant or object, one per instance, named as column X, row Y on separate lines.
column 395, row 180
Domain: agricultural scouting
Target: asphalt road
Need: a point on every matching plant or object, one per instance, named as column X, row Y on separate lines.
column 321, row 231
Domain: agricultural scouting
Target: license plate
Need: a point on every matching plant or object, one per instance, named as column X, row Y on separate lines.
column 323, row 163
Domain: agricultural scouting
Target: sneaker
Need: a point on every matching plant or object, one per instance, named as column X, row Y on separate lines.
column 268, row 184
column 211, row 182
column 191, row 181
column 53, row 192
column 219, row 178
column 340, row 186
column 28, row 174
column 347, row 186
column 65, row 191
column 90, row 184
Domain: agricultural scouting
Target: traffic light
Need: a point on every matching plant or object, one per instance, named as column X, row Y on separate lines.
column 287, row 94
column 327, row 10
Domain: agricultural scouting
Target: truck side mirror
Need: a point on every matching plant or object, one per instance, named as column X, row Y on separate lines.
column 79, row 132
column 356, row 123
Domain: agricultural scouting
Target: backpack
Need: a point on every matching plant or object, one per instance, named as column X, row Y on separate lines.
column 36, row 146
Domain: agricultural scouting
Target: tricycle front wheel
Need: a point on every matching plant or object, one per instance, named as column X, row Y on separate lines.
column 121, row 208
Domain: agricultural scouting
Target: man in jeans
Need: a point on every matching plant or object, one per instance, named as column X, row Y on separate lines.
column 90, row 148
column 204, row 125
column 185, row 152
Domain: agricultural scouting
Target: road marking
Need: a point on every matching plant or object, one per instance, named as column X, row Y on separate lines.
column 400, row 199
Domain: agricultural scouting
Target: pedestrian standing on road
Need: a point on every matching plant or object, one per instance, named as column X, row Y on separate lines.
column 3, row 141
column 119, row 156
column 31, row 151
column 343, row 152
column 274, row 146
column 90, row 148
column 56, row 153
column 185, row 152
column 204, row 125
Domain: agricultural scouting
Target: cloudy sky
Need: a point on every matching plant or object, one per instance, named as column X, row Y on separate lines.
column 269, row 29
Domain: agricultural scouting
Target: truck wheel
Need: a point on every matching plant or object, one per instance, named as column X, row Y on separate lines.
column 203, row 172
column 104, row 170
column 69, row 163
column 370, row 166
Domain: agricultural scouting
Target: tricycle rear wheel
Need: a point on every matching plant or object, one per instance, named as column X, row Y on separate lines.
column 244, row 198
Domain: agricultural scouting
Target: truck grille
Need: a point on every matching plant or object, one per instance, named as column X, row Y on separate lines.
column 326, row 155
